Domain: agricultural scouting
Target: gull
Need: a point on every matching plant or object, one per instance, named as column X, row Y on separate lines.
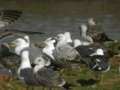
column 39, row 74
column 85, row 39
column 36, row 53
column 63, row 49
column 92, row 54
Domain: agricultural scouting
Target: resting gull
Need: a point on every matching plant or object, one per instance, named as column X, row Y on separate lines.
column 94, row 57
column 39, row 74
column 35, row 52
column 64, row 52
column 90, row 52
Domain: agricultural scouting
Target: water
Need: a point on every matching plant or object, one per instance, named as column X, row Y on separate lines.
column 54, row 17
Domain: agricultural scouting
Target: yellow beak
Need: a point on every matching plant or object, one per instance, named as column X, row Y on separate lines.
column 11, row 45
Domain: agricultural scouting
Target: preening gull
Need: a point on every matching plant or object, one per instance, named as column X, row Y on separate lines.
column 39, row 74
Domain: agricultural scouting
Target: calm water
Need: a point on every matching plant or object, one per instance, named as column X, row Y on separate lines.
column 55, row 16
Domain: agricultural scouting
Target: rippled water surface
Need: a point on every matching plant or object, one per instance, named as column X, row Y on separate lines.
column 52, row 16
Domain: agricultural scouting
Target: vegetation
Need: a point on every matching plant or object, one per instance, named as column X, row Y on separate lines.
column 79, row 78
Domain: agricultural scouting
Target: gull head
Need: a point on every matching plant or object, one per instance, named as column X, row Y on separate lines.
column 50, row 41
column 20, row 43
column 68, row 37
column 91, row 22
column 61, row 37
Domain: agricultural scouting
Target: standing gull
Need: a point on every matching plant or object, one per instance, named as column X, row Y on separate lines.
column 96, row 31
column 84, row 38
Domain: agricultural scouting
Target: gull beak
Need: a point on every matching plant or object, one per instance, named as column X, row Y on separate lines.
column 11, row 45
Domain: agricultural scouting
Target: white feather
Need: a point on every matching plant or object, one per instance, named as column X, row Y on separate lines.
column 98, row 52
